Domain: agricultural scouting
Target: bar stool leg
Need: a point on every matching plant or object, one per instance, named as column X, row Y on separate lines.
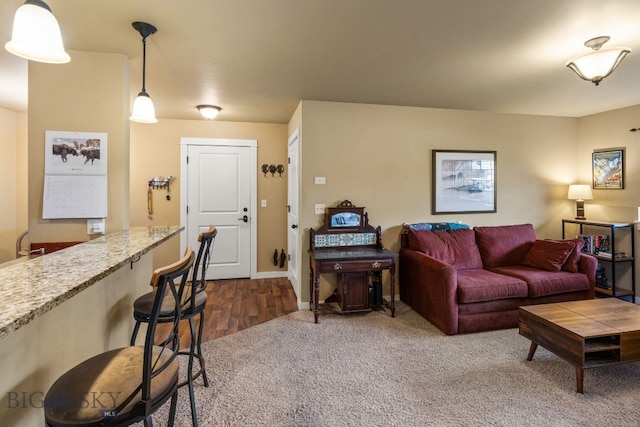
column 199, row 350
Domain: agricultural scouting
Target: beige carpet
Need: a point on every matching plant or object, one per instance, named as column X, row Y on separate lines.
column 372, row 370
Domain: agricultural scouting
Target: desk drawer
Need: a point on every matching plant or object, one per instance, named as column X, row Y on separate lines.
column 362, row 265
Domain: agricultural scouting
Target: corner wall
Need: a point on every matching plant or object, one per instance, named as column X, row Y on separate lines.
column 89, row 94
column 379, row 157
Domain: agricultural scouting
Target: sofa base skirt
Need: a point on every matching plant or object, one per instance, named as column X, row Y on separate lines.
column 503, row 314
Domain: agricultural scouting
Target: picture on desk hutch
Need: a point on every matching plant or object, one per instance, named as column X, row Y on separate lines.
column 345, row 217
column 608, row 169
column 463, row 182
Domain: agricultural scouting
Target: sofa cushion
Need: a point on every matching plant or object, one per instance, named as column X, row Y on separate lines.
column 455, row 247
column 504, row 245
column 477, row 285
column 571, row 264
column 542, row 283
column 549, row 255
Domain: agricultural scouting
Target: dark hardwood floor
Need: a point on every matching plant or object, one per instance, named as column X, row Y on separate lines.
column 237, row 304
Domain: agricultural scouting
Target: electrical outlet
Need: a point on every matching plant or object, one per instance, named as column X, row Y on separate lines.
column 319, row 208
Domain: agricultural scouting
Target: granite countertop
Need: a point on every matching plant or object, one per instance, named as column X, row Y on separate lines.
column 30, row 289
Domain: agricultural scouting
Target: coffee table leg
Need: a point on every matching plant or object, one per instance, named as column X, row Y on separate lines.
column 532, row 350
column 579, row 380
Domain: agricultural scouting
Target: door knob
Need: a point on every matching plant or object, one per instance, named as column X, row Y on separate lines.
column 294, row 226
column 244, row 218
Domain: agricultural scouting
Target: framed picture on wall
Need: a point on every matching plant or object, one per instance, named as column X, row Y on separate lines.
column 463, row 182
column 608, row 169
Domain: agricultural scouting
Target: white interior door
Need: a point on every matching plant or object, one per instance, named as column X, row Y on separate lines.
column 219, row 192
column 293, row 234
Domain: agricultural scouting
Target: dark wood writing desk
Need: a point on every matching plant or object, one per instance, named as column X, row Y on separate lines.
column 356, row 260
column 351, row 248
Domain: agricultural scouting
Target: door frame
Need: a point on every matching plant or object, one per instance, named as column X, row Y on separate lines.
column 253, row 180
column 297, row 288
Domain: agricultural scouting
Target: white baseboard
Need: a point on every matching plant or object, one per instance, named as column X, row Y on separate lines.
column 271, row 274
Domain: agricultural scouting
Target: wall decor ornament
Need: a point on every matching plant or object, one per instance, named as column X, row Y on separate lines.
column 463, row 182
column 608, row 169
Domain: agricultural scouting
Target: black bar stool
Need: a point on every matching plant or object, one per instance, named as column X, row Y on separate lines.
column 133, row 381
column 195, row 300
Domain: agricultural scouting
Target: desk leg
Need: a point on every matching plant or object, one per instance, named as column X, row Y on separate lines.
column 315, row 293
column 392, row 272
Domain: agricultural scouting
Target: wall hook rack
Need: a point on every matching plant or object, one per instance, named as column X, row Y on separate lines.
column 158, row 182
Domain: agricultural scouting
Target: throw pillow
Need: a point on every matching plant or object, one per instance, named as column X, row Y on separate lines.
column 548, row 255
column 571, row 264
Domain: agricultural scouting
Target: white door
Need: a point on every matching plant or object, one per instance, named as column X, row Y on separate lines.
column 218, row 181
column 293, row 235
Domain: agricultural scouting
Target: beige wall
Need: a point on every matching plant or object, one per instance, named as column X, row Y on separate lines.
column 155, row 150
column 10, row 136
column 379, row 157
column 89, row 94
column 605, row 131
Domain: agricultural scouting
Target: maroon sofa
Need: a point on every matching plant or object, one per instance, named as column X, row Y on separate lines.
column 471, row 280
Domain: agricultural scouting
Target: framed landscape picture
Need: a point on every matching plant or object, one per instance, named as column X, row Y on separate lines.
column 463, row 182
column 608, row 169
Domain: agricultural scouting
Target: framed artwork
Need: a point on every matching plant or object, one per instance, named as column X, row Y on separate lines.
column 463, row 182
column 608, row 169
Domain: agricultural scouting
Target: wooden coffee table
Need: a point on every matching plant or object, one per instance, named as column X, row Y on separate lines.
column 587, row 334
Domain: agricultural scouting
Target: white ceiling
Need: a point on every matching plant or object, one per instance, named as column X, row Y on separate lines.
column 257, row 58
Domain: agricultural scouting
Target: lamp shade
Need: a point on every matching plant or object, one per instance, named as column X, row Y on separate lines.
column 36, row 34
column 143, row 110
column 209, row 112
column 595, row 66
column 580, row 192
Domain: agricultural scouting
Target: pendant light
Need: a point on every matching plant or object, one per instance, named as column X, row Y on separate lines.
column 595, row 66
column 36, row 34
column 143, row 110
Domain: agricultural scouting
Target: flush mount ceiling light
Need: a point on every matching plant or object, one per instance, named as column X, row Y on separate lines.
column 143, row 110
column 209, row 112
column 36, row 34
column 595, row 66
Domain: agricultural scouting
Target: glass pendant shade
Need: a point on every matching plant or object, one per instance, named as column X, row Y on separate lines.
column 143, row 110
column 36, row 34
column 595, row 66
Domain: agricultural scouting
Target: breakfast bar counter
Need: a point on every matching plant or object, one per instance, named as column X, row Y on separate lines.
column 66, row 306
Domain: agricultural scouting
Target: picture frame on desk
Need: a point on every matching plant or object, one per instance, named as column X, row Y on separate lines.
column 608, row 169
column 463, row 182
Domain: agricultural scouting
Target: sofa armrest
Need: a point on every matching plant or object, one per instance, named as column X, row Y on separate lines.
column 429, row 286
column 587, row 264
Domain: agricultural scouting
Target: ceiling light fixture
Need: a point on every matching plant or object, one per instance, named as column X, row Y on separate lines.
column 209, row 112
column 595, row 66
column 143, row 110
column 36, row 34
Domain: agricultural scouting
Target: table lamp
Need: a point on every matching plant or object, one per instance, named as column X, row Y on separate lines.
column 580, row 193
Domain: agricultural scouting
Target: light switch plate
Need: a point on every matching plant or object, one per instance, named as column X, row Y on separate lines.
column 319, row 180
column 319, row 208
